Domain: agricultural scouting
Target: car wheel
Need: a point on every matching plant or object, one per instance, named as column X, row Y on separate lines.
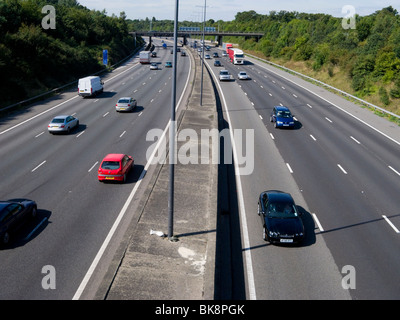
column 34, row 212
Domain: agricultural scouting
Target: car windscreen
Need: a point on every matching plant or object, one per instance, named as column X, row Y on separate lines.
column 110, row 165
column 281, row 210
column 59, row 120
column 123, row 101
column 284, row 114
column 224, row 73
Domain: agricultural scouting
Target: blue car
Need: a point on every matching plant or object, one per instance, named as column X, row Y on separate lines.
column 282, row 117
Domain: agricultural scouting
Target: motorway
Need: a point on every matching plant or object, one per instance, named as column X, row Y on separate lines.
column 344, row 176
column 76, row 212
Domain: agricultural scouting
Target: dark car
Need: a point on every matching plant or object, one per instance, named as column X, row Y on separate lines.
column 282, row 117
column 280, row 217
column 217, row 63
column 12, row 214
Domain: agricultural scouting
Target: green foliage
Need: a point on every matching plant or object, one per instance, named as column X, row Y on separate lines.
column 34, row 59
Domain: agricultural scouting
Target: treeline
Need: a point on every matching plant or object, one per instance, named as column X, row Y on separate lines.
column 369, row 54
column 34, row 59
column 367, row 57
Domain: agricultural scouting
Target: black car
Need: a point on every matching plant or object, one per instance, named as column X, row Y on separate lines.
column 12, row 214
column 280, row 217
column 217, row 63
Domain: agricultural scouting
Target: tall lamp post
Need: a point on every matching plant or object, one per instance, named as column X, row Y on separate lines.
column 172, row 134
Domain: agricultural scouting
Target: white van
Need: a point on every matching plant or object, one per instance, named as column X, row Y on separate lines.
column 90, row 86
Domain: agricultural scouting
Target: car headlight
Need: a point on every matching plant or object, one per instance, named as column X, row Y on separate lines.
column 279, row 122
column 273, row 234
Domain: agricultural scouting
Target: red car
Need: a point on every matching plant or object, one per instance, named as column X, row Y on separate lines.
column 115, row 167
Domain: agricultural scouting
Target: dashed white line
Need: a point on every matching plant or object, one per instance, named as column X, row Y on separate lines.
column 328, row 119
column 394, row 170
column 309, row 106
column 355, row 139
column 272, row 136
column 122, row 134
column 38, row 135
column 140, row 114
column 34, row 169
column 341, row 168
column 80, row 134
column 391, row 224
column 317, row 222
column 104, row 115
column 270, row 94
column 91, row 168
column 290, row 169
column 294, row 95
column 260, row 116
column 312, row 137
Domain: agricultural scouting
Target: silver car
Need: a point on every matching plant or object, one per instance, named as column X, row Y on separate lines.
column 125, row 104
column 243, row 75
column 63, row 123
column 224, row 75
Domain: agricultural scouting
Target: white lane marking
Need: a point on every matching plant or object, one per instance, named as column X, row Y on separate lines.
column 288, row 166
column 270, row 94
column 317, row 222
column 140, row 114
column 341, row 168
column 328, row 119
column 391, row 224
column 260, row 116
column 38, row 135
column 92, row 167
column 122, row 134
column 312, row 137
column 294, row 95
column 355, row 139
column 34, row 169
column 394, row 170
column 309, row 105
column 242, row 210
column 104, row 115
column 80, row 134
column 272, row 137
column 121, row 214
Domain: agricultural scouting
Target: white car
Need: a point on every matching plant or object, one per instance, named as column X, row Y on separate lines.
column 154, row 66
column 242, row 75
column 63, row 123
column 207, row 56
column 224, row 75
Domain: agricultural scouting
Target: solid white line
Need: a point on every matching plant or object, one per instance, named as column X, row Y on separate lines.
column 242, row 210
column 355, row 139
column 341, row 168
column 395, row 171
column 107, row 240
column 91, row 168
column 317, row 222
column 290, row 169
column 391, row 224
column 34, row 169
